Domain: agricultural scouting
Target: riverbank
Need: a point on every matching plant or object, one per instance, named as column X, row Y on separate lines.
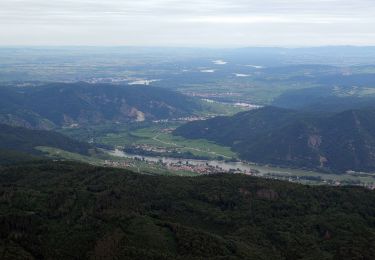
column 292, row 175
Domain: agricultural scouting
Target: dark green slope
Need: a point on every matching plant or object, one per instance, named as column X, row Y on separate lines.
column 81, row 103
column 8, row 157
column 13, row 110
column 338, row 142
column 21, row 141
column 350, row 140
column 74, row 211
column 235, row 129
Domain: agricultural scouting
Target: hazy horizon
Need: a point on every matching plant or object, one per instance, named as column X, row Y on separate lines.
column 185, row 47
column 172, row 23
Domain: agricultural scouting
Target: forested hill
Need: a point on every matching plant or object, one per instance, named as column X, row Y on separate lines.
column 334, row 142
column 61, row 104
column 18, row 142
column 331, row 99
column 75, row 211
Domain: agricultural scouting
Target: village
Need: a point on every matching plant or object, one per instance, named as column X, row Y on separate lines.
column 180, row 166
column 203, row 168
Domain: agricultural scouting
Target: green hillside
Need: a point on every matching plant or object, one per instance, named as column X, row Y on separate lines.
column 18, row 143
column 75, row 211
column 61, row 104
column 332, row 142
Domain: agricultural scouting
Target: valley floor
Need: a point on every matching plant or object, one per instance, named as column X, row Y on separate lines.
column 151, row 148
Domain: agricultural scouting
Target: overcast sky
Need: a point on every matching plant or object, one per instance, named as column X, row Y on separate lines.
column 216, row 23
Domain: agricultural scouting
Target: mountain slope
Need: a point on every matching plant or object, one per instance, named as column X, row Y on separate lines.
column 339, row 142
column 74, row 211
column 81, row 103
column 21, row 141
column 327, row 99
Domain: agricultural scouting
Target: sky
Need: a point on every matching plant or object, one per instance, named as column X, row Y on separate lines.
column 192, row 23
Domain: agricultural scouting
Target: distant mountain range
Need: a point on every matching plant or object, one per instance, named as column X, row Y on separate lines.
column 333, row 142
column 48, row 106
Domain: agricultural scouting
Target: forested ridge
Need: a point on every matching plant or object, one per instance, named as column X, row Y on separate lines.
column 333, row 142
column 64, row 210
column 61, row 104
column 22, row 142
